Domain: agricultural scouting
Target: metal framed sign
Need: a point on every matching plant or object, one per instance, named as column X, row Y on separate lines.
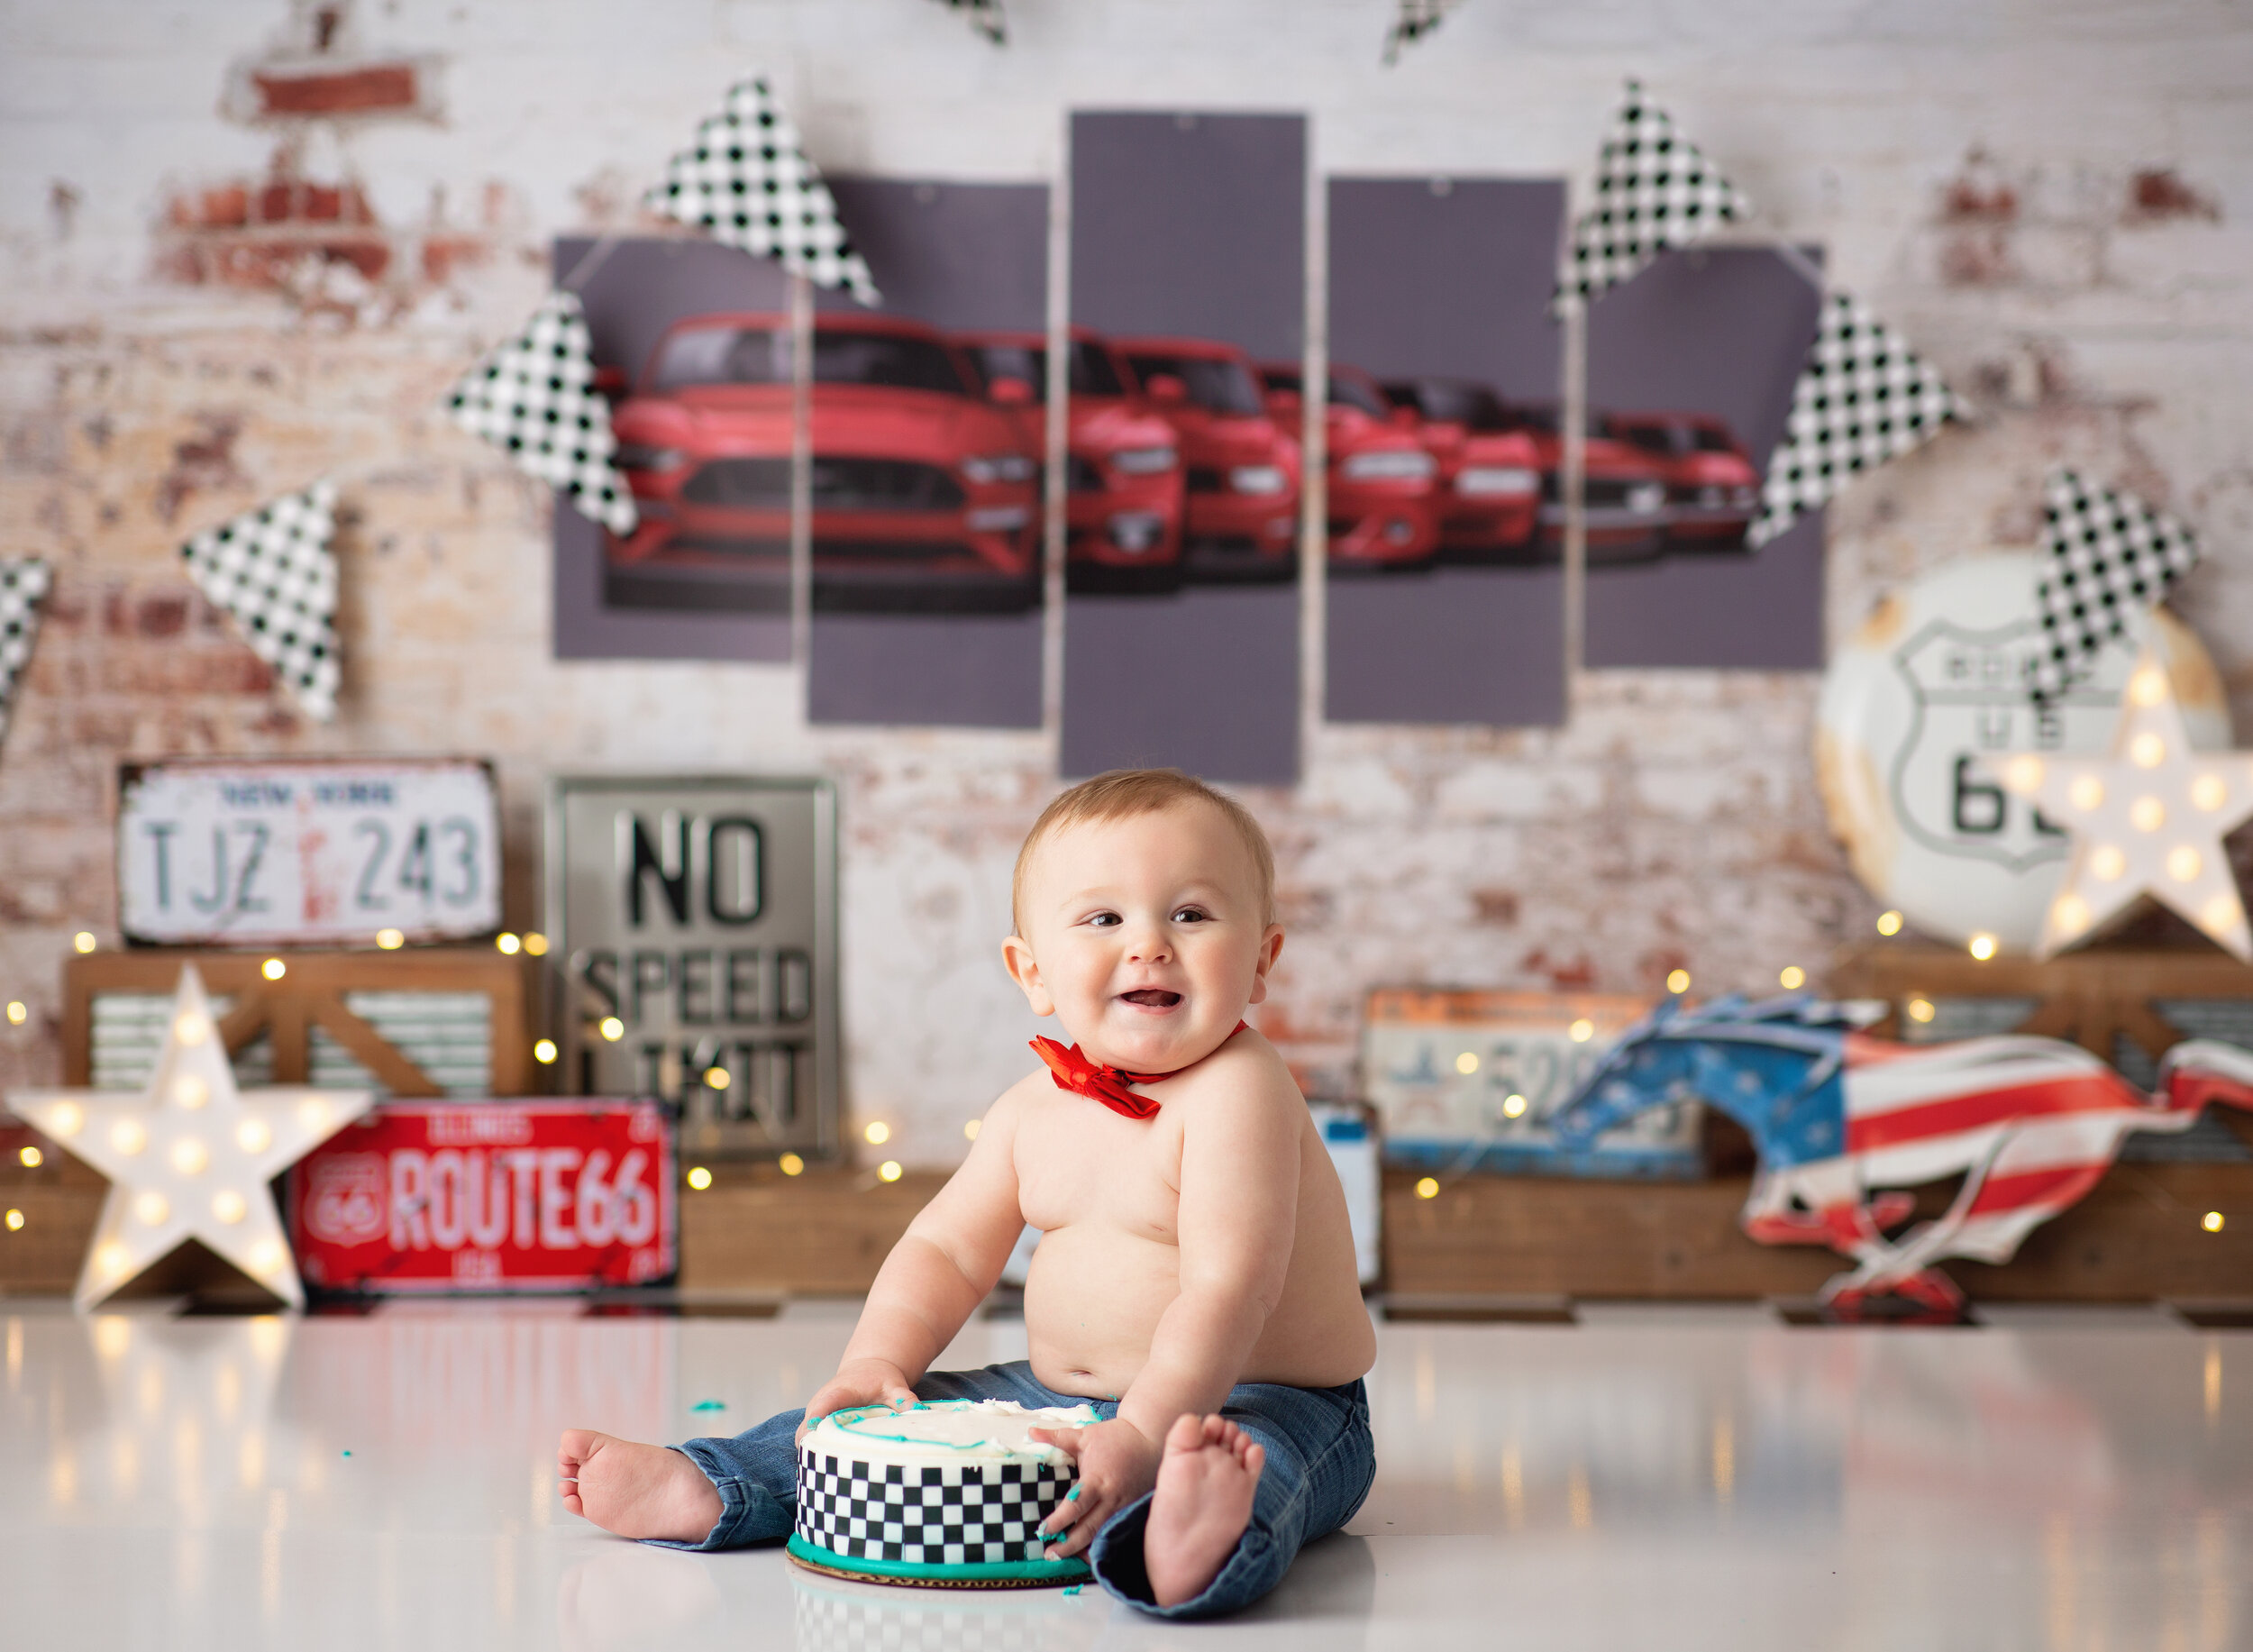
column 695, row 922
column 433, row 1196
column 307, row 853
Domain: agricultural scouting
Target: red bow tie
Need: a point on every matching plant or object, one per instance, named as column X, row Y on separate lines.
column 1109, row 1086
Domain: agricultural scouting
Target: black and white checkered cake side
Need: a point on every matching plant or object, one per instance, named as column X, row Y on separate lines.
column 273, row 571
column 23, row 585
column 1652, row 191
column 949, row 1514
column 2106, row 556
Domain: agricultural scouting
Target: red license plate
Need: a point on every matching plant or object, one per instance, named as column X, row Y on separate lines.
column 488, row 1195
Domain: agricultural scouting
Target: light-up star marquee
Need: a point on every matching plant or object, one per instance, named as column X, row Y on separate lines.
column 189, row 1157
column 2149, row 817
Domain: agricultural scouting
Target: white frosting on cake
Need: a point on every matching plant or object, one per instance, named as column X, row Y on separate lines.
column 946, row 1431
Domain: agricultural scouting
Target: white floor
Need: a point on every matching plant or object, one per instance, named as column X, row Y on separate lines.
column 1659, row 1479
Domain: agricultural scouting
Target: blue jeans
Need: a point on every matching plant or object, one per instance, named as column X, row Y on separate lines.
column 1320, row 1462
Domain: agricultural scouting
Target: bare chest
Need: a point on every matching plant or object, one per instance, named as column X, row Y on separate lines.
column 1078, row 1162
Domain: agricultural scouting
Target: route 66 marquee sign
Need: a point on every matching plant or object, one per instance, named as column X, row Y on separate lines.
column 1918, row 702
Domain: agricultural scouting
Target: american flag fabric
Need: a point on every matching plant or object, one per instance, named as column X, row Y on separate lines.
column 23, row 585
column 534, row 397
column 1652, row 191
column 1863, row 397
column 983, row 15
column 272, row 569
column 1413, row 21
column 2107, row 556
column 2029, row 1124
column 747, row 180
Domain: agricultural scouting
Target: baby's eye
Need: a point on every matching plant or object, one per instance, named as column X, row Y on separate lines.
column 1191, row 915
column 1104, row 920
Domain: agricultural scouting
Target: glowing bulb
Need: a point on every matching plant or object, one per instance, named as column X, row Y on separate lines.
column 2147, row 751
column 64, row 1119
column 2087, row 792
column 1581, row 1031
column 1889, row 923
column 971, row 1128
column 877, row 1133
column 612, row 1028
column 313, row 1113
column 2147, row 687
column 84, row 941
column 189, row 1156
column 536, row 945
column 128, row 1137
column 715, row 1078
column 1791, row 978
column 151, row 1209
column 18, row 1012
column 2221, row 914
column 1513, row 1106
column 2147, row 814
column 2069, row 914
column 390, row 940
column 190, row 1091
column 2023, row 773
column 510, row 944
column 33, row 1157
column 273, row 969
column 790, row 1164
column 2106, row 863
column 2210, row 792
column 2211, row 1221
column 889, row 1170
column 698, row 1177
column 15, row 1221
column 1677, row 980
column 2185, row 863
column 111, row 1258
column 543, row 1051
column 228, row 1206
column 1427, row 1187
column 266, row 1256
column 1920, row 1009
column 1466, row 1063
column 253, row 1135
column 1980, row 947
column 191, row 1028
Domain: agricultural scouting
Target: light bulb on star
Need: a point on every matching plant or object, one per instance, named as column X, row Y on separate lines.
column 2148, row 818
column 189, row 1156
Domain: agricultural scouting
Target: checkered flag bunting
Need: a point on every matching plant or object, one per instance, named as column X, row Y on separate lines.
column 2107, row 555
column 273, row 570
column 1652, row 191
column 748, row 181
column 983, row 15
column 534, row 396
column 1413, row 21
column 1862, row 398
column 23, row 585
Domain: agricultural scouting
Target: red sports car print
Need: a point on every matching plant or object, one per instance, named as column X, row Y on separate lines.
column 1241, row 473
column 1123, row 502
column 1712, row 490
column 1490, row 468
column 924, row 494
column 1382, row 482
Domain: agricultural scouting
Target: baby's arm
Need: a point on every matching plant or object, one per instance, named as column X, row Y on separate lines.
column 935, row 1276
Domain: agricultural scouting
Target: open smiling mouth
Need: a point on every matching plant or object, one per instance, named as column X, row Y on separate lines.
column 1153, row 998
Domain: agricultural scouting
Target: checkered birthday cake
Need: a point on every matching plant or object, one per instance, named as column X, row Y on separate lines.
column 948, row 1492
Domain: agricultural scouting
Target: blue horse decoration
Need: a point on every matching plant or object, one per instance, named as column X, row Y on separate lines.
column 2031, row 1125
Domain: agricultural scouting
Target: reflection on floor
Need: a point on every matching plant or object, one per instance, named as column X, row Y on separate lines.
column 1651, row 1477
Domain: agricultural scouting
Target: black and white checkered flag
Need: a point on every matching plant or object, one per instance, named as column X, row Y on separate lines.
column 23, row 585
column 749, row 182
column 535, row 397
column 1652, row 191
column 2108, row 554
column 985, row 16
column 272, row 569
column 1863, row 397
column 1413, row 21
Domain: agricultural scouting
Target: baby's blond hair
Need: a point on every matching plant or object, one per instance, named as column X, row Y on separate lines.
column 1123, row 793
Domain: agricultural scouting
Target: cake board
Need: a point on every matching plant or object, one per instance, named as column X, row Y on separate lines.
column 1026, row 1574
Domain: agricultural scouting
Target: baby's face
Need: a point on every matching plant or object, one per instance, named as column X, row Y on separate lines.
column 1145, row 936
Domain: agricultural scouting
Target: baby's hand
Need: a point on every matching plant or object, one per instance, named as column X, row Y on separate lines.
column 1118, row 1464
column 860, row 1382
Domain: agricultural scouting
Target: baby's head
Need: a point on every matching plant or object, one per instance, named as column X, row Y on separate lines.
column 1144, row 907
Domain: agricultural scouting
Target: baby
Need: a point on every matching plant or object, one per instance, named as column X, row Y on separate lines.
column 1195, row 1278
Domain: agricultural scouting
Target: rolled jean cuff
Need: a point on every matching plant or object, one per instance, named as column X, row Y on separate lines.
column 1116, row 1554
column 741, row 1519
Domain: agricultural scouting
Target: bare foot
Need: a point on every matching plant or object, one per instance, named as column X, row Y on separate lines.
column 1202, row 1504
column 633, row 1489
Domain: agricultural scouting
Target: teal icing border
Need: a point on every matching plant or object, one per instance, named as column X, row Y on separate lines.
column 991, row 1571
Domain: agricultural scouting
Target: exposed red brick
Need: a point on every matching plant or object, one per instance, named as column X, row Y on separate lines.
column 205, row 459
column 369, row 89
column 1968, row 200
column 161, row 615
column 1494, row 908
column 2159, row 192
column 444, row 255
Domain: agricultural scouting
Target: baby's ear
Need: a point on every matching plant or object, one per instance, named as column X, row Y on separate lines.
column 1270, row 948
column 1017, row 957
